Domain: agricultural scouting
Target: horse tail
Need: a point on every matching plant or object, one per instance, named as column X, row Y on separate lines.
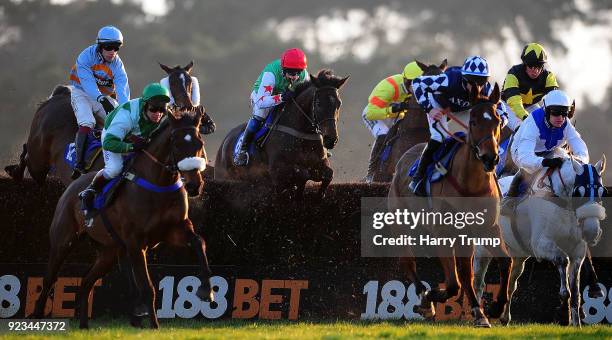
column 16, row 170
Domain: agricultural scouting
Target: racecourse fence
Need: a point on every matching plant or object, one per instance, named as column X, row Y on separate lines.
column 271, row 260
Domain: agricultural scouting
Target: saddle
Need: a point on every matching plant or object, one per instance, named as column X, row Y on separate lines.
column 261, row 134
column 392, row 136
column 92, row 151
column 441, row 161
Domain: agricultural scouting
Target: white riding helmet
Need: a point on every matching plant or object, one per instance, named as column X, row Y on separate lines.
column 475, row 66
column 557, row 98
column 109, row 34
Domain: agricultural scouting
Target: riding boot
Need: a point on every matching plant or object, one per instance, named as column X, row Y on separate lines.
column 80, row 142
column 254, row 124
column 418, row 181
column 377, row 148
column 87, row 196
column 508, row 203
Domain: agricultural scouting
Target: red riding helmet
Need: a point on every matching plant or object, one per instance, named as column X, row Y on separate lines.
column 294, row 58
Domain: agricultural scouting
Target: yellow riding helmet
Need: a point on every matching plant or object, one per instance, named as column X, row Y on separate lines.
column 412, row 70
column 534, row 54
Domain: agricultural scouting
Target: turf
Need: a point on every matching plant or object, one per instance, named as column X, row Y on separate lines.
column 233, row 329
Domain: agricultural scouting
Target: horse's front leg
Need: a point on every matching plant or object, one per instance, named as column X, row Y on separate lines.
column 516, row 269
column 144, row 286
column 561, row 262
column 574, row 283
column 466, row 276
column 505, row 265
column 185, row 235
column 325, row 174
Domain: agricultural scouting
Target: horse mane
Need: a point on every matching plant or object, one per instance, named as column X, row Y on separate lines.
column 59, row 90
column 162, row 126
column 325, row 77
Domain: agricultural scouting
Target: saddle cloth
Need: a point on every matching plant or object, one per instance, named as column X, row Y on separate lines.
column 93, row 149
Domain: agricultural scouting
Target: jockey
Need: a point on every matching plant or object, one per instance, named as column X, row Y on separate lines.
column 527, row 83
column 272, row 87
column 386, row 105
column 543, row 132
column 98, row 81
column 448, row 92
column 133, row 121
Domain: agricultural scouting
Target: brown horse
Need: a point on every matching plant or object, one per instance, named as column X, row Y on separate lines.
column 137, row 219
column 470, row 175
column 295, row 150
column 407, row 132
column 54, row 126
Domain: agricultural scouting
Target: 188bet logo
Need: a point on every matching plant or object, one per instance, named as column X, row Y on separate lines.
column 394, row 300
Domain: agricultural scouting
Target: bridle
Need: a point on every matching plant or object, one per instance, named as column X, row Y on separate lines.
column 172, row 168
column 314, row 121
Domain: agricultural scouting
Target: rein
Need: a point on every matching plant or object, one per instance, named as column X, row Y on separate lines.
column 314, row 122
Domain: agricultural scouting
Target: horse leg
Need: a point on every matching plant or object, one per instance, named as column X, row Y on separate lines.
column 142, row 280
column 16, row 170
column 561, row 262
column 104, row 263
column 409, row 265
column 516, row 269
column 591, row 277
column 451, row 282
column 574, row 282
column 327, row 174
column 466, row 276
column 184, row 235
column 481, row 264
column 504, row 262
column 61, row 245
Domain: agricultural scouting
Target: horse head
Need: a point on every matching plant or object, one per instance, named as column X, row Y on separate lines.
column 180, row 82
column 432, row 70
column 581, row 186
column 485, row 127
column 187, row 149
column 326, row 105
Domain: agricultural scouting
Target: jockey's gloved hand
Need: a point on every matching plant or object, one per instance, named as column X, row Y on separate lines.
column 138, row 143
column 287, row 95
column 399, row 107
column 552, row 163
column 208, row 126
column 106, row 103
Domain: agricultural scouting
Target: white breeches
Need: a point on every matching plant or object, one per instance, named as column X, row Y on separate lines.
column 85, row 107
column 377, row 127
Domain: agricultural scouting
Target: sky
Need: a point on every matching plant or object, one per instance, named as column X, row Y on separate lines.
column 587, row 52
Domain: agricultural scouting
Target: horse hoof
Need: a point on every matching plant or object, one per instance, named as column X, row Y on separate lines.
column 495, row 311
column 84, row 326
column 428, row 312
column 596, row 292
column 11, row 170
column 504, row 321
column 482, row 322
column 205, row 295
column 136, row 321
column 140, row 311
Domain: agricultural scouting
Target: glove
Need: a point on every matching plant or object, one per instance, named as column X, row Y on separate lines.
column 399, row 107
column 207, row 127
column 552, row 162
column 138, row 143
column 287, row 95
column 106, row 104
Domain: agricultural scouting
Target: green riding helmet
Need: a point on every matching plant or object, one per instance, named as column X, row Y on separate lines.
column 156, row 91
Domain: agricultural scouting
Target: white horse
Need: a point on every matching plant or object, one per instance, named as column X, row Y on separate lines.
column 558, row 220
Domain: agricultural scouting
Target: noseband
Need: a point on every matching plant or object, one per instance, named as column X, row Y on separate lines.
column 314, row 121
column 173, row 166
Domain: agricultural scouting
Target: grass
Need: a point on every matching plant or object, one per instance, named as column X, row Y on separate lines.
column 240, row 329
